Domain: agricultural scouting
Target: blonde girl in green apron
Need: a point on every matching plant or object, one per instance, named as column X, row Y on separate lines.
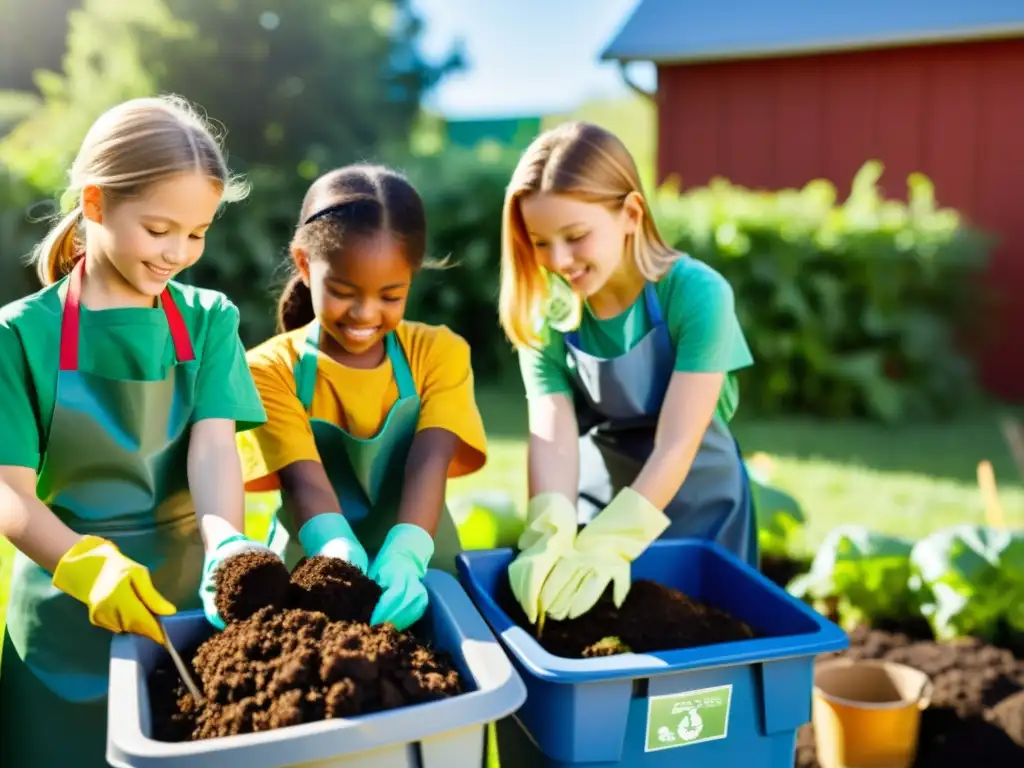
column 368, row 414
column 122, row 391
column 628, row 351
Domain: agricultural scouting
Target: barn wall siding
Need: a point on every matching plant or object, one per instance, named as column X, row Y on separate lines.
column 954, row 112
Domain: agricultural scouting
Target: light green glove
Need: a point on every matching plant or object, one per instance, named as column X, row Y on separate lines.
column 399, row 568
column 331, row 535
column 550, row 532
column 602, row 555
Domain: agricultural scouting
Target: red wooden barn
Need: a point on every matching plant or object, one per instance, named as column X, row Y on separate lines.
column 773, row 94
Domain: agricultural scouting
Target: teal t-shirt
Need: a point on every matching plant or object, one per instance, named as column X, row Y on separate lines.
column 698, row 306
column 123, row 343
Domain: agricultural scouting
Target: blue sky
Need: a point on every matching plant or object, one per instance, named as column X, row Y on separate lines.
column 526, row 56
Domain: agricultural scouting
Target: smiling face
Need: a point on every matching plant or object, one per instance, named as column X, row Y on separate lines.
column 581, row 241
column 148, row 240
column 359, row 296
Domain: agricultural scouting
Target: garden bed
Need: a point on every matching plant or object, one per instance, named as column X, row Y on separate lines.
column 296, row 649
column 977, row 709
column 653, row 618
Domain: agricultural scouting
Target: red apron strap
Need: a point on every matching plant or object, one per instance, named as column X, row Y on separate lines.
column 179, row 331
column 70, row 318
column 71, row 323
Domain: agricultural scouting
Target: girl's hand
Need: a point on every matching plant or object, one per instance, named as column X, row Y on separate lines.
column 399, row 568
column 549, row 535
column 117, row 590
column 331, row 535
column 602, row 555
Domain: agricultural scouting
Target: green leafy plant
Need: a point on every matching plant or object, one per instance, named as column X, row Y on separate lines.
column 969, row 579
column 863, row 574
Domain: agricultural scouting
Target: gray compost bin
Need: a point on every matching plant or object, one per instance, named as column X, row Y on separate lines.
column 450, row 733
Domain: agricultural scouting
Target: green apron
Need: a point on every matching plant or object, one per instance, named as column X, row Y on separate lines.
column 115, row 465
column 367, row 474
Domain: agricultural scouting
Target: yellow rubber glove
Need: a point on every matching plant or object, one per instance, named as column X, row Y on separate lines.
column 118, row 591
column 549, row 534
column 602, row 555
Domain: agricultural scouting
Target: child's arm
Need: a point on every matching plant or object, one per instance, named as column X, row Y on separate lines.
column 24, row 520
column 553, row 478
column 426, row 478
column 553, row 448
column 117, row 591
column 306, row 491
column 226, row 402
column 449, row 441
column 282, row 453
column 701, row 315
column 215, row 478
column 28, row 523
column 689, row 405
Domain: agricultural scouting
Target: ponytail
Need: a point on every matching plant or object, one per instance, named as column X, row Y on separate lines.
column 60, row 249
column 295, row 307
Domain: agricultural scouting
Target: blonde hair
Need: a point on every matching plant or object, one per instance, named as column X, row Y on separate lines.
column 587, row 162
column 129, row 148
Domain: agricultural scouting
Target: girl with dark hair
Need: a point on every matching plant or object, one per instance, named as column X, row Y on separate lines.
column 368, row 414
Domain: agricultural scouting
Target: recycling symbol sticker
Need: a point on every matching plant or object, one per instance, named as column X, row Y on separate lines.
column 684, row 719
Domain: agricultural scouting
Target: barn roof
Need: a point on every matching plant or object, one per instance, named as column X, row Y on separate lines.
column 677, row 31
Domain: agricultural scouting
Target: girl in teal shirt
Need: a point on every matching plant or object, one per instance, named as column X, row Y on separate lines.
column 628, row 352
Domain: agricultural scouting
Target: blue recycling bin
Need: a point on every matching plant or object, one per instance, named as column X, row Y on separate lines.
column 730, row 705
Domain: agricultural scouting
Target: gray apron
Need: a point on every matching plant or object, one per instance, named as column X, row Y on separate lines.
column 367, row 474
column 618, row 413
column 115, row 465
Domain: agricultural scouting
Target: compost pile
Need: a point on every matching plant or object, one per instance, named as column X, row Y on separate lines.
column 976, row 715
column 296, row 649
column 652, row 618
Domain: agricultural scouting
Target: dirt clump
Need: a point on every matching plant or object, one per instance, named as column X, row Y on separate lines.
column 311, row 658
column 652, row 618
column 335, row 588
column 247, row 582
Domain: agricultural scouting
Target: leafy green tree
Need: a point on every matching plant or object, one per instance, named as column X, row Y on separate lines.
column 102, row 66
column 302, row 86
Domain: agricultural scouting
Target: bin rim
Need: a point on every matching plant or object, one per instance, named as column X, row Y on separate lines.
column 498, row 691
column 824, row 638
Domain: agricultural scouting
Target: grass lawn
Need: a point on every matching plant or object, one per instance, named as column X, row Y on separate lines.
column 908, row 480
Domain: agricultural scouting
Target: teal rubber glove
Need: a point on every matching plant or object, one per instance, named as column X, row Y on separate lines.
column 602, row 555
column 227, row 548
column 549, row 534
column 399, row 568
column 331, row 535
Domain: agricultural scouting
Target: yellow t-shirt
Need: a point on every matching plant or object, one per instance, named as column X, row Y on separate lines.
column 359, row 400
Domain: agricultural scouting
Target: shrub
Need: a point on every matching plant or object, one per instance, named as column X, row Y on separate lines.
column 850, row 309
